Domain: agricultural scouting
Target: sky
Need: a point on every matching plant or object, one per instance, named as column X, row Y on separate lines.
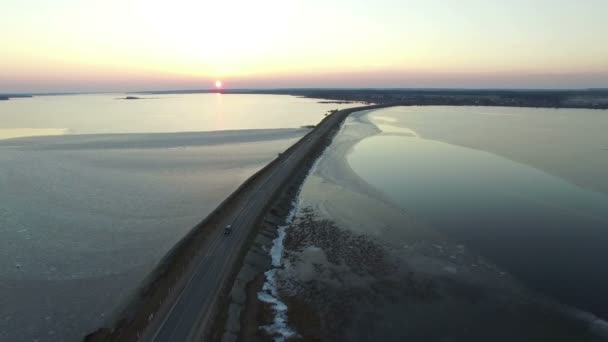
column 74, row 45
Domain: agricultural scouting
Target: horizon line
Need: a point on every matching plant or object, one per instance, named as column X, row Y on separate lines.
column 268, row 89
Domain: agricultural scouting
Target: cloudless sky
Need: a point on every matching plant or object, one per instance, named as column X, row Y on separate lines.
column 74, row 45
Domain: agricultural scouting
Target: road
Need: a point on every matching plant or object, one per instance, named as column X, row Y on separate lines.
column 192, row 313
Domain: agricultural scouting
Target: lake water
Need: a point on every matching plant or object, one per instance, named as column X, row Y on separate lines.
column 85, row 213
column 108, row 113
column 549, row 233
column 546, row 230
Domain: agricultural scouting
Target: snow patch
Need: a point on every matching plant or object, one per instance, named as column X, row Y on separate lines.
column 597, row 326
column 600, row 327
column 269, row 294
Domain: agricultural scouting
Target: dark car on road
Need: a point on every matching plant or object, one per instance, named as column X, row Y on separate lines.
column 228, row 229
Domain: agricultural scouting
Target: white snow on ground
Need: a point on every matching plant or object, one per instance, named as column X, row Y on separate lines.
column 600, row 327
column 269, row 293
column 597, row 325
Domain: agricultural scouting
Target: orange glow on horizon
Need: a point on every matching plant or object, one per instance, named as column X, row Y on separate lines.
column 119, row 45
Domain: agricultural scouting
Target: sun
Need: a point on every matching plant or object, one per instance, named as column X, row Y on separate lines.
column 218, row 84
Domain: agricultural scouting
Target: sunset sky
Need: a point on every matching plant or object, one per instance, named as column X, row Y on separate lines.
column 74, row 45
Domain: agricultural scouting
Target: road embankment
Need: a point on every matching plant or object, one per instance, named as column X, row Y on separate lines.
column 164, row 285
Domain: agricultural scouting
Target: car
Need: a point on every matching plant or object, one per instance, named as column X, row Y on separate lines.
column 228, row 229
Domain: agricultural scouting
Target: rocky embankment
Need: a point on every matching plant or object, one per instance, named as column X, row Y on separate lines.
column 238, row 321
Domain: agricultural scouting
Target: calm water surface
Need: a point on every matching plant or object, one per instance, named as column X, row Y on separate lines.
column 107, row 113
column 544, row 230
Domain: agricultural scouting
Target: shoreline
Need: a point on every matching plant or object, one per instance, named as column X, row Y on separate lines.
column 151, row 140
column 244, row 309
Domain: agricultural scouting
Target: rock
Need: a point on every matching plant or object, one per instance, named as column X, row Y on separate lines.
column 263, row 240
column 247, row 273
column 237, row 294
column 259, row 261
column 229, row 337
column 233, row 322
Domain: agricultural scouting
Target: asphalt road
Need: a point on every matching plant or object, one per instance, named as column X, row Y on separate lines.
column 191, row 314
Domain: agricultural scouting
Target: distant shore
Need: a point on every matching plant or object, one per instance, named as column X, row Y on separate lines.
column 339, row 102
column 538, row 98
column 6, row 97
column 581, row 98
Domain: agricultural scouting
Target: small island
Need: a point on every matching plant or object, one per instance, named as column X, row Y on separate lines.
column 8, row 96
column 130, row 98
column 338, row 102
